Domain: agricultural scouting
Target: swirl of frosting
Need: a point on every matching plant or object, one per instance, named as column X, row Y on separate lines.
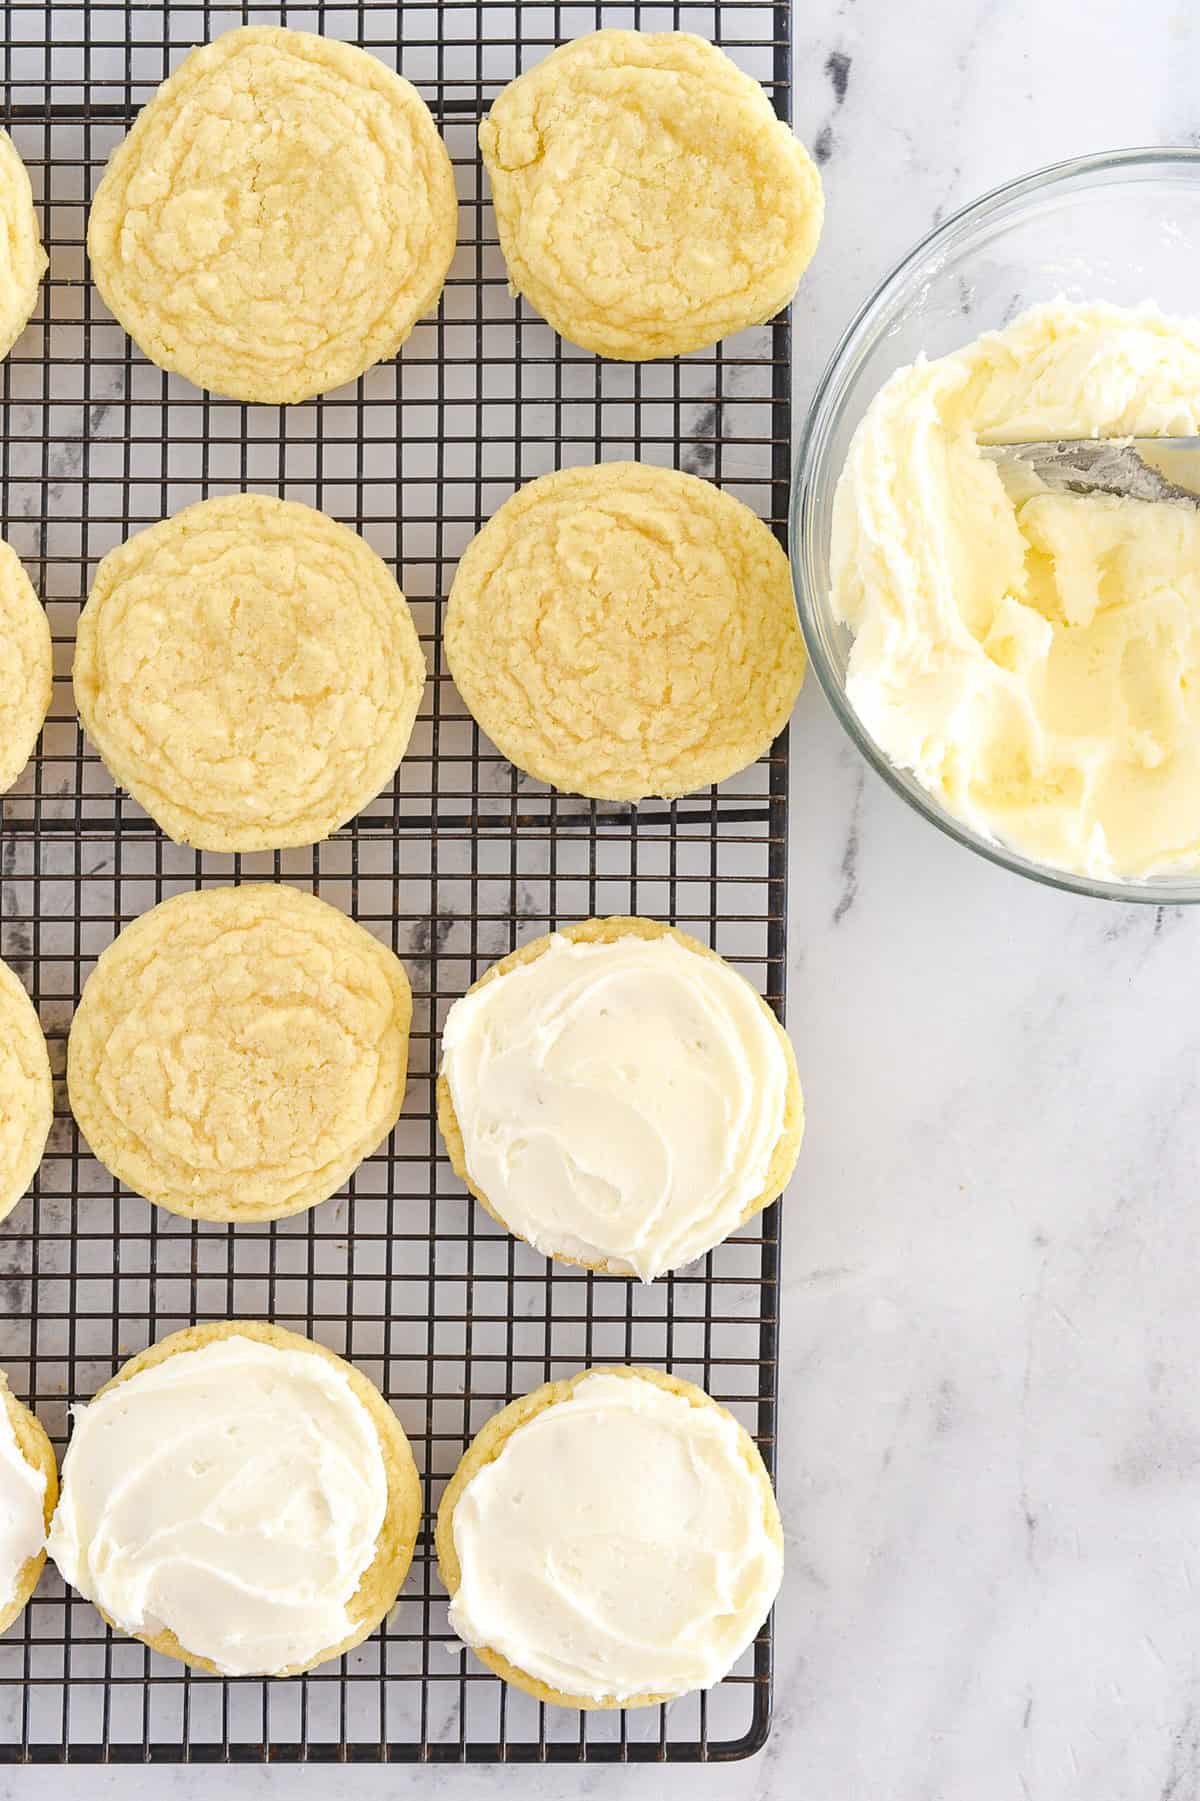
column 619, row 1101
column 623, row 1543
column 232, row 1495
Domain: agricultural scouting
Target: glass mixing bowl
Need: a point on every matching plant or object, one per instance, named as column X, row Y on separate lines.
column 1122, row 227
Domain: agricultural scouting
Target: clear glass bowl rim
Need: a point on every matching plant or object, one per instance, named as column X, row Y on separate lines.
column 858, row 338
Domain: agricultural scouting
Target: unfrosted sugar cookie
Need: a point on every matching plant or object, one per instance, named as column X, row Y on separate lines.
column 279, row 217
column 649, row 202
column 237, row 1052
column 249, row 671
column 623, row 631
column 238, row 1498
column 22, row 259
column 26, row 667
column 26, row 1091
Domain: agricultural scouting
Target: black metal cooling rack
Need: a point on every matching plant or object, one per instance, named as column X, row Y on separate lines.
column 456, row 864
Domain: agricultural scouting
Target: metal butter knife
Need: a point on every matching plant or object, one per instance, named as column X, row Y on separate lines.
column 1133, row 468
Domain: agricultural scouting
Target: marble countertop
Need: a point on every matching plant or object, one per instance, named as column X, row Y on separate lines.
column 990, row 1432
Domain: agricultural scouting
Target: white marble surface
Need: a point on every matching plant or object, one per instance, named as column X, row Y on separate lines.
column 990, row 1427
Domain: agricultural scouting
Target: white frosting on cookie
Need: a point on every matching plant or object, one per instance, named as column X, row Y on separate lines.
column 619, row 1545
column 619, row 1103
column 233, row 1494
column 22, row 1517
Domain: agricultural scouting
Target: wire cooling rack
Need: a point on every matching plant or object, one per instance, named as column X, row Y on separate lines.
column 456, row 864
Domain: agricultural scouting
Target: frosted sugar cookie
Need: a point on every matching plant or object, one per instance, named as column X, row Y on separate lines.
column 278, row 219
column 624, row 631
column 28, row 1492
column 611, row 1540
column 649, row 202
column 238, row 1498
column 26, row 1091
column 237, row 1052
column 619, row 1096
column 22, row 259
column 26, row 667
column 249, row 671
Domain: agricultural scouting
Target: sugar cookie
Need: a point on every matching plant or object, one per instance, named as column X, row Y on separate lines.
column 237, row 1052
column 623, row 631
column 26, row 667
column 618, row 1096
column 28, row 1493
column 22, row 259
column 238, row 1498
column 278, row 219
column 649, row 202
column 26, row 1091
column 611, row 1540
column 249, row 671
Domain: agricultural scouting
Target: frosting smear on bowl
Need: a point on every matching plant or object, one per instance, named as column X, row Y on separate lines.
column 1032, row 656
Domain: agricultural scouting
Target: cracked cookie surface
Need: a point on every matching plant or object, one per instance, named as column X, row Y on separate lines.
column 648, row 200
column 625, row 631
column 26, row 1091
column 22, row 259
column 249, row 671
column 237, row 1052
column 278, row 219
column 26, row 666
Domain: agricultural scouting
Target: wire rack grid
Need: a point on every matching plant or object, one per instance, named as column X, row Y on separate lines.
column 454, row 865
